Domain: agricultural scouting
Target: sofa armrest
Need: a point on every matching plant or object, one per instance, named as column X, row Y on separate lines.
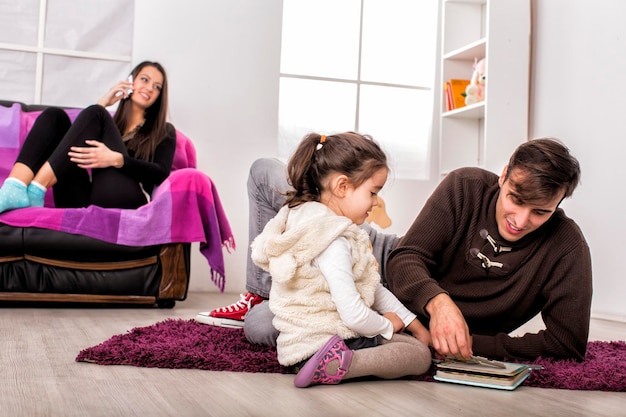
column 175, row 264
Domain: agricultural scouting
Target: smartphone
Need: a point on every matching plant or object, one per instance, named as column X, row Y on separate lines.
column 130, row 90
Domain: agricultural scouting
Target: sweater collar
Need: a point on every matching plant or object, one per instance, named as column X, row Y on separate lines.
column 491, row 252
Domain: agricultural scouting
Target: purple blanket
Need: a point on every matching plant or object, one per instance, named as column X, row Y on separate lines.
column 184, row 208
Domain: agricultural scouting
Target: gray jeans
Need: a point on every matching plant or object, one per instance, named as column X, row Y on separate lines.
column 267, row 184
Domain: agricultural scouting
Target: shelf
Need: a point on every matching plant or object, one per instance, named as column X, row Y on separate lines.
column 473, row 111
column 467, row 1
column 485, row 133
column 473, row 50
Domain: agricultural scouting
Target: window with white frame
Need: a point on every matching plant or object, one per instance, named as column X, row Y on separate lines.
column 360, row 65
column 63, row 52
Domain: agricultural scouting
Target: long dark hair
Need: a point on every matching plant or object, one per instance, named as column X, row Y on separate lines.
column 154, row 129
column 356, row 156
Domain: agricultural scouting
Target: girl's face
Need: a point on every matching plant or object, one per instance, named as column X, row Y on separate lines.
column 147, row 87
column 358, row 202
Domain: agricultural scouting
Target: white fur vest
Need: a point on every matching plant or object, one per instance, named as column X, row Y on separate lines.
column 305, row 314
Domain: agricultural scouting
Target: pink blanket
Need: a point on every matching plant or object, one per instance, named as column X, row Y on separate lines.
column 184, row 208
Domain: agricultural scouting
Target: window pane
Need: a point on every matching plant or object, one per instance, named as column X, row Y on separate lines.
column 321, row 38
column 19, row 21
column 398, row 47
column 83, row 80
column 399, row 119
column 17, row 76
column 87, row 26
column 399, row 40
column 313, row 106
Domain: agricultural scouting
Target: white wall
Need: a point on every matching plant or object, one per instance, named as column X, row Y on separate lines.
column 223, row 58
column 577, row 95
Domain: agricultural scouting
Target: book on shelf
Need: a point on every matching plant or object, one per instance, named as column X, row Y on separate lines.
column 448, row 97
column 482, row 373
column 455, row 93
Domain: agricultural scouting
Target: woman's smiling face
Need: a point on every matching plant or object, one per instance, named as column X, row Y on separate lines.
column 147, row 86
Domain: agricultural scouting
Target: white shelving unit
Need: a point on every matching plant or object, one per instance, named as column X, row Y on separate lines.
column 485, row 134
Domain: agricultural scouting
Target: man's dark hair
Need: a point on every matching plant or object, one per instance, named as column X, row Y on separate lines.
column 548, row 169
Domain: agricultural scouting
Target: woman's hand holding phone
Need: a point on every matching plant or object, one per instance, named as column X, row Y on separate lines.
column 120, row 91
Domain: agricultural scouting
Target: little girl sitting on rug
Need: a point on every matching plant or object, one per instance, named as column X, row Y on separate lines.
column 335, row 318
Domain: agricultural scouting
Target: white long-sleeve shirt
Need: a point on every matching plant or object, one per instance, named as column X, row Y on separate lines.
column 335, row 263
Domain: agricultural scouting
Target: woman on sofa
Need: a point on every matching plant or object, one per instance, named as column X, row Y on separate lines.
column 108, row 161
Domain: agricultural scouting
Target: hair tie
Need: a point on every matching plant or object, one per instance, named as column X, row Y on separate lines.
column 322, row 140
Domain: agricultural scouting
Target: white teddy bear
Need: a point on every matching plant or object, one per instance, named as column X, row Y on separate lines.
column 475, row 91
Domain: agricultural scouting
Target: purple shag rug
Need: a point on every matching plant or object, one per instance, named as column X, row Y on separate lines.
column 178, row 344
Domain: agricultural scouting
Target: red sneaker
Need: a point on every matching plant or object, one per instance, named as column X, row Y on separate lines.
column 232, row 315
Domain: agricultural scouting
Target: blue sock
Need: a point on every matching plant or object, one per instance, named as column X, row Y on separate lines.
column 13, row 195
column 36, row 194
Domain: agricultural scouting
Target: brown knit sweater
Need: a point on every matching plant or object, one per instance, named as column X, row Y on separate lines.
column 547, row 271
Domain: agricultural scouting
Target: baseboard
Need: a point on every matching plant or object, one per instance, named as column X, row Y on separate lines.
column 609, row 317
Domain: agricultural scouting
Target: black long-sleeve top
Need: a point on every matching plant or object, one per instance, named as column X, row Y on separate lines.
column 152, row 173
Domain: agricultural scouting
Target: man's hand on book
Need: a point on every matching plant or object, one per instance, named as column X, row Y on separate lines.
column 448, row 329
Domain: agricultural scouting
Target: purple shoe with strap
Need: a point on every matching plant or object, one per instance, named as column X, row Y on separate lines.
column 314, row 370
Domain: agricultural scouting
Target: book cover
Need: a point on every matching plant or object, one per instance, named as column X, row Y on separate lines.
column 482, row 380
column 448, row 96
column 508, row 369
column 482, row 372
column 457, row 90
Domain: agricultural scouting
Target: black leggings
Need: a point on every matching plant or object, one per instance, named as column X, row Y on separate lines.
column 50, row 140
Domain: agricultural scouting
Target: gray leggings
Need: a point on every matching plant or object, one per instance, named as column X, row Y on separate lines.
column 267, row 184
column 400, row 356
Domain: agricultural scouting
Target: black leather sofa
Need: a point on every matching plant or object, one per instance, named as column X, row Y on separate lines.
column 40, row 265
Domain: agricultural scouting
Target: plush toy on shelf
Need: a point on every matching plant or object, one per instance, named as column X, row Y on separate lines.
column 475, row 91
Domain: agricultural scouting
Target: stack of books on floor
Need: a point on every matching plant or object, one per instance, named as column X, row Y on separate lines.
column 482, row 372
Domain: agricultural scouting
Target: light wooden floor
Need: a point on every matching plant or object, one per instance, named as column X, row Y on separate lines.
column 39, row 377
